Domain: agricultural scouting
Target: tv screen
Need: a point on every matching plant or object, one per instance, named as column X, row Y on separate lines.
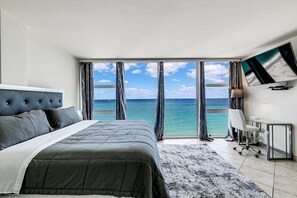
column 276, row 65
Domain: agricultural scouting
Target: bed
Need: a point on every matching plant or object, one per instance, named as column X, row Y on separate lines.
column 116, row 158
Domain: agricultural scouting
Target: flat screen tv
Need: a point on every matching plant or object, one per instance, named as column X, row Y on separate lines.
column 276, row 65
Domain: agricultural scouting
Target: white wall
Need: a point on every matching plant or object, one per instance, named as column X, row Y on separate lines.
column 28, row 59
column 13, row 50
column 277, row 105
column 51, row 67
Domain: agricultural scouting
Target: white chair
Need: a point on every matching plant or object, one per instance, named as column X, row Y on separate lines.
column 237, row 120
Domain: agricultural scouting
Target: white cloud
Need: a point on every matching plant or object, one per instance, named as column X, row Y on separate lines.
column 187, row 88
column 132, row 93
column 136, row 71
column 217, row 80
column 191, row 73
column 113, row 68
column 169, row 68
column 126, row 81
column 129, row 66
column 172, row 68
column 175, row 80
column 226, row 76
column 101, row 67
column 216, row 72
column 183, row 91
column 151, row 69
column 104, row 81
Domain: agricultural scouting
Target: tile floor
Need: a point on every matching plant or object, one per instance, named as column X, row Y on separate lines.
column 277, row 178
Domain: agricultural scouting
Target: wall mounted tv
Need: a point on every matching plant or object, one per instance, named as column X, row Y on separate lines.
column 276, row 65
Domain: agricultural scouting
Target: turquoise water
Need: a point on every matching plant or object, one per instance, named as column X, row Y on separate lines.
column 180, row 114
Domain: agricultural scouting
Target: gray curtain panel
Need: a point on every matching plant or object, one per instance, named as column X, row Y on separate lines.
column 120, row 92
column 202, row 124
column 87, row 89
column 159, row 122
column 235, row 82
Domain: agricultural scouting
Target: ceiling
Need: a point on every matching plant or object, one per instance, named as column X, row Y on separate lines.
column 158, row 28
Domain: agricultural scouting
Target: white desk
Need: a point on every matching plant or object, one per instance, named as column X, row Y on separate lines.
column 272, row 152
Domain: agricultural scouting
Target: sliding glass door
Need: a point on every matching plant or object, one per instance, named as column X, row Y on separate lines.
column 180, row 99
column 141, row 91
column 216, row 89
column 104, row 91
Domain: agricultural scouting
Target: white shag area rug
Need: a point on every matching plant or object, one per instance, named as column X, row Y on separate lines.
column 196, row 170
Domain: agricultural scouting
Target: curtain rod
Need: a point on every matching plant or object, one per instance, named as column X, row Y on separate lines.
column 158, row 59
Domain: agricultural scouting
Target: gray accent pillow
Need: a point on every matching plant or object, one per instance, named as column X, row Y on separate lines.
column 62, row 117
column 19, row 128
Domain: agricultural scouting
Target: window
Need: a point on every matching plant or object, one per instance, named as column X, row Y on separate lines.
column 216, row 91
column 141, row 91
column 180, row 99
column 141, row 79
column 104, row 91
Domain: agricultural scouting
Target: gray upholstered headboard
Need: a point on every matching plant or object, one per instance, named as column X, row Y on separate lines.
column 17, row 99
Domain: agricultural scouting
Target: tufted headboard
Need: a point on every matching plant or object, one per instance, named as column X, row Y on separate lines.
column 18, row 99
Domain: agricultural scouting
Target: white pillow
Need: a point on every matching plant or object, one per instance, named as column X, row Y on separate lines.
column 79, row 112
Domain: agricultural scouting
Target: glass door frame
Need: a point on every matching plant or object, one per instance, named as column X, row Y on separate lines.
column 214, row 110
column 197, row 91
column 107, row 86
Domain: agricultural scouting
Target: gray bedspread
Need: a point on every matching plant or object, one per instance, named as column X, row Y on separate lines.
column 118, row 158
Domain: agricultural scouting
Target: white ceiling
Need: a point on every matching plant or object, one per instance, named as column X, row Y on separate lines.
column 158, row 28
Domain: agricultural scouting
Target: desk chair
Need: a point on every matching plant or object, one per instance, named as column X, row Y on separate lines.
column 238, row 122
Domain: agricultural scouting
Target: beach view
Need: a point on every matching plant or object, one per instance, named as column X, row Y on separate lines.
column 180, row 95
column 180, row 114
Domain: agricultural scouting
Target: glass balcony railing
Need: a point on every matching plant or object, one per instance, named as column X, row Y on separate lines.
column 217, row 124
column 180, row 118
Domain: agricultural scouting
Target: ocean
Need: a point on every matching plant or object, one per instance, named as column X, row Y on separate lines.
column 180, row 114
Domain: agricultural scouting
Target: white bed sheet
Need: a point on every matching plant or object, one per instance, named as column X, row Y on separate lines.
column 15, row 159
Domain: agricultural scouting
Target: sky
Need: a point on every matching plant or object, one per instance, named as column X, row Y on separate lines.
column 180, row 80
